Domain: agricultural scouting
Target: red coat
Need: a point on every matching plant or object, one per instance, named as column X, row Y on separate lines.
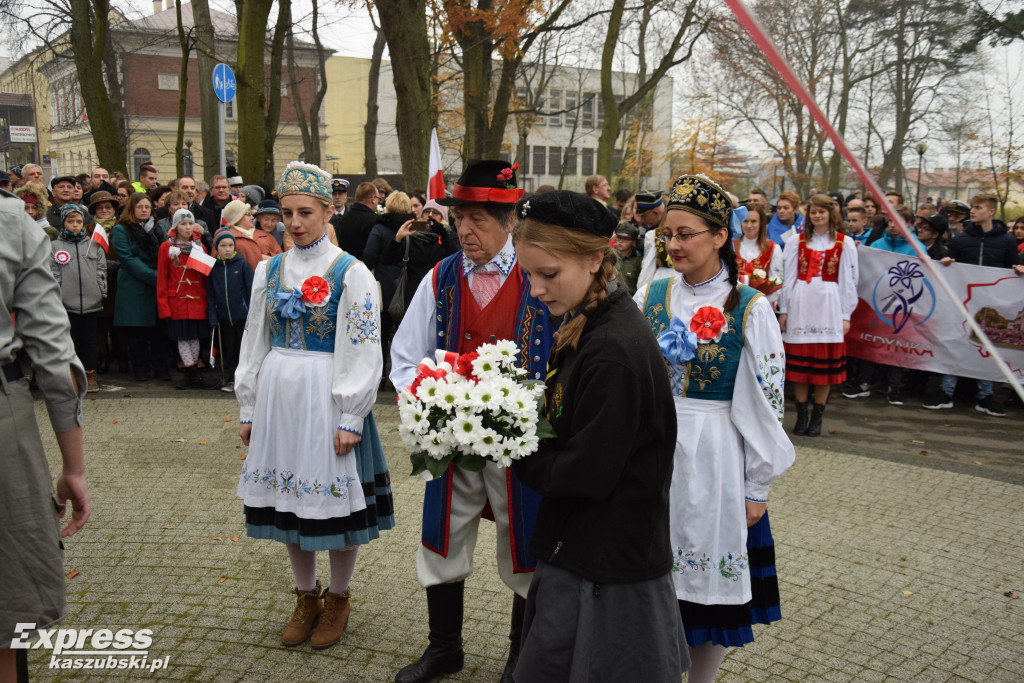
column 254, row 248
column 180, row 291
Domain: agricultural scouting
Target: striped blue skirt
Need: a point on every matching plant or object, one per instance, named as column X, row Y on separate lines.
column 730, row 625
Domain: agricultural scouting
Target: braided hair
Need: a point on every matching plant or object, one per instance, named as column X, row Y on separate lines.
column 572, row 244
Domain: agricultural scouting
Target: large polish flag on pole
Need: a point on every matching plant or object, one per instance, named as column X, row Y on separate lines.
column 435, row 183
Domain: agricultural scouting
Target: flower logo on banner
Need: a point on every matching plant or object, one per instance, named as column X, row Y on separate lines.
column 906, row 284
column 315, row 290
column 62, row 257
column 708, row 324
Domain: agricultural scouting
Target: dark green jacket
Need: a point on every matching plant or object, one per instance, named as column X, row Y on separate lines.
column 629, row 270
column 136, row 280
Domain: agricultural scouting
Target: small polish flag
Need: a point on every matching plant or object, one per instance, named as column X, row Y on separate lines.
column 99, row 235
column 198, row 260
column 435, row 181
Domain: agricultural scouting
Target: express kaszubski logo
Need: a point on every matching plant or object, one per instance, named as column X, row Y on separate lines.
column 86, row 648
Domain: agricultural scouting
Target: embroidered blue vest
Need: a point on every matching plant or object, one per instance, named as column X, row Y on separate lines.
column 711, row 374
column 533, row 336
column 316, row 329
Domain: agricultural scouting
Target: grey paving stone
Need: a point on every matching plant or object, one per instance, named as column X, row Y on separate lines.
column 852, row 533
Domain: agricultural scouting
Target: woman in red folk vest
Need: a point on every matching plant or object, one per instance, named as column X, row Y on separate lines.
column 819, row 293
column 758, row 258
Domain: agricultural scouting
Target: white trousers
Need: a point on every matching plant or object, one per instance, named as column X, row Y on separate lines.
column 470, row 491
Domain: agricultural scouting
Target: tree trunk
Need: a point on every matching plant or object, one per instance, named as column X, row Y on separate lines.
column 89, row 39
column 610, row 129
column 370, row 129
column 314, row 107
column 284, row 20
column 208, row 103
column 184, row 40
column 405, row 29
column 251, row 99
column 477, row 50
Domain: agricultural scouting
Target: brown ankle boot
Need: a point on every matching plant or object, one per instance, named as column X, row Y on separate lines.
column 333, row 620
column 307, row 610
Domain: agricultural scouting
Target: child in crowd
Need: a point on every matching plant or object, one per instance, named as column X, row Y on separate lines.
column 181, row 295
column 80, row 268
column 227, row 301
column 630, row 260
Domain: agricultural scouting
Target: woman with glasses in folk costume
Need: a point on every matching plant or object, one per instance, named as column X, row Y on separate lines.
column 724, row 354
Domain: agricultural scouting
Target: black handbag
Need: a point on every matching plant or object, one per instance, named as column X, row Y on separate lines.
column 396, row 307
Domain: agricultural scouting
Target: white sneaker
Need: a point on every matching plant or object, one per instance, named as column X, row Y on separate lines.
column 857, row 391
column 229, row 387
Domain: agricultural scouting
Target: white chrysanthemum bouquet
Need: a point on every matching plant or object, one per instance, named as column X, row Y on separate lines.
column 471, row 408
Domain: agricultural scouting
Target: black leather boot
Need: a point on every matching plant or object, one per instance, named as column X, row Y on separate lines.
column 814, row 427
column 515, row 636
column 802, row 416
column 444, row 653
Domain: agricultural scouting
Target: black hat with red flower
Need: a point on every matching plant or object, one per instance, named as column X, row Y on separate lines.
column 485, row 182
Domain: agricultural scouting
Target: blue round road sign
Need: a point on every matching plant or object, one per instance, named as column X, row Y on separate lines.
column 224, row 82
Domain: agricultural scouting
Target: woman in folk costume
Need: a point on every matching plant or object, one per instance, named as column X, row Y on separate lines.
column 315, row 477
column 597, row 610
column 755, row 252
column 819, row 294
column 725, row 361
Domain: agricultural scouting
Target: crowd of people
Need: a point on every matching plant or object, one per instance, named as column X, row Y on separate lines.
column 138, row 305
column 631, row 551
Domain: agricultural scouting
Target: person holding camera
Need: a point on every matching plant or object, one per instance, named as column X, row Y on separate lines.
column 425, row 243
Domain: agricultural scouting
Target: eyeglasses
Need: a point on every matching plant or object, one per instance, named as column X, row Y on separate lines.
column 681, row 236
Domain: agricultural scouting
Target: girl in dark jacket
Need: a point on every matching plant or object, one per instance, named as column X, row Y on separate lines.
column 137, row 241
column 227, row 301
column 601, row 605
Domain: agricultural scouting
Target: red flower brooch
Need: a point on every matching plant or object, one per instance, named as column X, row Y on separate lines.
column 707, row 324
column 505, row 176
column 315, row 289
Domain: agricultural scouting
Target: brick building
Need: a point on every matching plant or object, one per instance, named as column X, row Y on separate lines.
column 149, row 58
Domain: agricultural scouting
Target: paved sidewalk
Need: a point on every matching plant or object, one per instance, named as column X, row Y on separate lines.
column 888, row 570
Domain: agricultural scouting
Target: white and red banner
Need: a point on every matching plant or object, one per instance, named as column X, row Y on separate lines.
column 904, row 320
column 435, row 181
column 99, row 236
column 198, row 260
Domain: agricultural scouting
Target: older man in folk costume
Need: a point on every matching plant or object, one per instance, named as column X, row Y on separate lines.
column 473, row 297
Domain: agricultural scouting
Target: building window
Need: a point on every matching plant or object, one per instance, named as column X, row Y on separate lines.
column 588, row 110
column 284, row 90
column 504, row 156
column 539, row 163
column 554, row 160
column 229, row 110
column 229, row 157
column 140, row 157
column 167, row 82
column 524, row 163
column 588, row 161
column 555, row 103
column 570, row 161
column 600, row 113
column 187, row 162
column 570, row 108
column 617, row 162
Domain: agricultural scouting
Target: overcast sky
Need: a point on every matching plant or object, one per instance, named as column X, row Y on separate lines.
column 349, row 32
